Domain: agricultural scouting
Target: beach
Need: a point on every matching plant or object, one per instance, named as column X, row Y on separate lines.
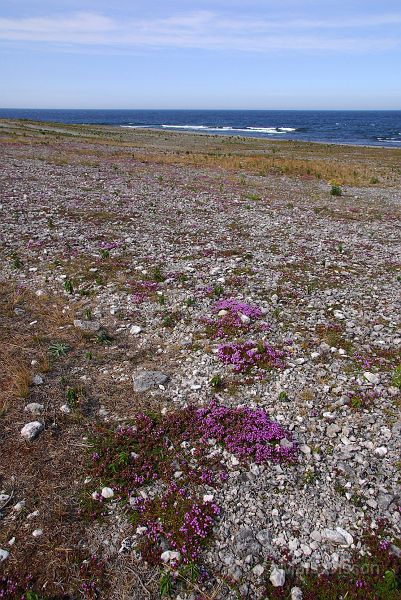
column 201, row 351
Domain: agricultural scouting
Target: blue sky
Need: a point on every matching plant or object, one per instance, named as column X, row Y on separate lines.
column 249, row 54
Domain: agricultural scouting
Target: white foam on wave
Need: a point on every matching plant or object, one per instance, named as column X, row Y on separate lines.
column 268, row 130
column 186, row 127
column 136, row 126
column 390, row 141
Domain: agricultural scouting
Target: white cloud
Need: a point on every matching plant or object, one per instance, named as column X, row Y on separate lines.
column 206, row 30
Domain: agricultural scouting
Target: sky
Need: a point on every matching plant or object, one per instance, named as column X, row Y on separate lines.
column 199, row 54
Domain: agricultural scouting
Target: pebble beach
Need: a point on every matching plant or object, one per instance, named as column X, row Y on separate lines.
column 201, row 366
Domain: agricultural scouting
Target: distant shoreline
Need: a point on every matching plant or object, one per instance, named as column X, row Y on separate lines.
column 361, row 128
column 199, row 134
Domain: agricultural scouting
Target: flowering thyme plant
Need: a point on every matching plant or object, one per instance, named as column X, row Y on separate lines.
column 245, row 356
column 230, row 317
column 160, row 464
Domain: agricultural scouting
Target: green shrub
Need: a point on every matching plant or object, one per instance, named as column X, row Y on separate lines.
column 336, row 190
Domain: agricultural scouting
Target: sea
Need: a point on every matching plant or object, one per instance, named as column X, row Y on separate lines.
column 368, row 127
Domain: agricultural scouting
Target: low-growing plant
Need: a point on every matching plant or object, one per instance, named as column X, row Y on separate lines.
column 166, row 584
column 157, row 275
column 230, row 317
column 169, row 456
column 336, row 190
column 58, row 349
column 254, row 197
column 396, row 381
column 161, row 299
column 252, row 356
column 218, row 290
column 170, row 319
column 103, row 337
column 16, row 262
column 68, row 286
column 216, row 381
column 374, row 576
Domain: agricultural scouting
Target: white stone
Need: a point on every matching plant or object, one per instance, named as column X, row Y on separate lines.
column 34, row 408
column 296, row 593
column 31, row 430
column 90, row 326
column 244, row 319
column 32, row 515
column 141, row 530
column 277, row 577
column 170, row 556
column 37, row 533
column 107, row 492
column 334, row 537
column 338, row 314
column 208, row 498
column 135, row 330
column 306, row 550
column 258, row 570
column 293, row 544
column 37, row 380
column 64, row 408
column 372, row 377
column 19, row 506
column 4, row 554
column 381, row 451
column 347, row 536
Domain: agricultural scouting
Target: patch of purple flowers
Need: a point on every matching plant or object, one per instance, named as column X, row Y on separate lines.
column 245, row 356
column 143, row 290
column 109, row 245
column 235, row 316
column 248, row 433
column 237, row 308
column 156, row 447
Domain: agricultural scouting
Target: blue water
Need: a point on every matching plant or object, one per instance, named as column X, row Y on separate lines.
column 374, row 128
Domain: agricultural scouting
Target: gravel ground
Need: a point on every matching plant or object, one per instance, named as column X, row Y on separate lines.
column 323, row 269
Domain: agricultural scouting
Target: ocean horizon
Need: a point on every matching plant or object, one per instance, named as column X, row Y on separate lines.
column 354, row 127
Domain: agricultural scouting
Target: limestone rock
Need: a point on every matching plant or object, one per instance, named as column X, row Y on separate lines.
column 30, row 431
column 146, row 380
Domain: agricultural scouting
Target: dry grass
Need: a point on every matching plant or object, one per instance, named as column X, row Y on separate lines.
column 49, row 472
column 26, row 337
column 345, row 165
column 43, row 472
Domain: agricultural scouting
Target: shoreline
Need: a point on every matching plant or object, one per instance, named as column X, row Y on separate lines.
column 191, row 130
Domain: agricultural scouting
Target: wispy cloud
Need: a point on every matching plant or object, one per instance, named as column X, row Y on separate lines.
column 208, row 30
